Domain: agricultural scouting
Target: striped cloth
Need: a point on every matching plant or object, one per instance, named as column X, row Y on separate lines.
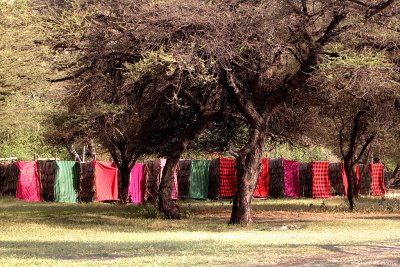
column 28, row 188
column 227, row 177
column 106, row 180
column 199, row 179
column 263, row 180
column 66, row 181
column 136, row 184
column 377, row 179
column 291, row 178
column 345, row 182
column 320, row 179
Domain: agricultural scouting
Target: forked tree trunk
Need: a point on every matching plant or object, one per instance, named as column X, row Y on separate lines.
column 248, row 170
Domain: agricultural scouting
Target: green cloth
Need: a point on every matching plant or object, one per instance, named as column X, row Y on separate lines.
column 199, row 179
column 66, row 181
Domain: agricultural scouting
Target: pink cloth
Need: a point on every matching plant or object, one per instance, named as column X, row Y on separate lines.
column 105, row 180
column 291, row 178
column 28, row 188
column 136, row 185
column 174, row 194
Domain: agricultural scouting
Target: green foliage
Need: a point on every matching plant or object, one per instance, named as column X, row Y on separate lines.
column 302, row 154
column 354, row 60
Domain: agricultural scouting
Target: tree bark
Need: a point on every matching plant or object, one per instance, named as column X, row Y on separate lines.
column 71, row 150
column 125, row 175
column 348, row 166
column 166, row 204
column 248, row 170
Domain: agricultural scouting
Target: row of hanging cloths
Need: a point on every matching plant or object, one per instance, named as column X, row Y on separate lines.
column 198, row 179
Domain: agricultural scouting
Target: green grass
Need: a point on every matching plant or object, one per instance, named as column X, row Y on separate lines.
column 286, row 232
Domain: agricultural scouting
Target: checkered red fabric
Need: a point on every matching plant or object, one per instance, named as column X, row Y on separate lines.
column 227, row 177
column 263, row 181
column 377, row 180
column 344, row 177
column 320, row 179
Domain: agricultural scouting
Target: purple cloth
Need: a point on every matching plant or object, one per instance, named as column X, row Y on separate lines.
column 291, row 178
column 136, row 185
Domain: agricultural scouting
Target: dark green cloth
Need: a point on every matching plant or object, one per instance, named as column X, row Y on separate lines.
column 199, row 179
column 66, row 181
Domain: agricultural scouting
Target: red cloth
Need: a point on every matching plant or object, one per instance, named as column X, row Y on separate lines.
column 320, row 179
column 28, row 188
column 377, row 179
column 263, row 180
column 105, row 180
column 227, row 177
column 344, row 177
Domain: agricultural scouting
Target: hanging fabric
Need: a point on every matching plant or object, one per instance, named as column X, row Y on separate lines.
column 320, row 179
column 213, row 174
column 377, row 179
column 136, row 184
column 184, row 178
column 291, row 178
column 263, row 180
column 227, row 177
column 174, row 194
column 199, row 179
column 28, row 188
column 345, row 182
column 66, row 181
column 106, row 180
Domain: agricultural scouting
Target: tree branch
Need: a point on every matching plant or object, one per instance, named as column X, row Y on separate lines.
column 246, row 107
column 367, row 143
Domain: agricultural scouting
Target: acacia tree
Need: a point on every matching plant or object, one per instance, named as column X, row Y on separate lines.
column 357, row 85
column 259, row 55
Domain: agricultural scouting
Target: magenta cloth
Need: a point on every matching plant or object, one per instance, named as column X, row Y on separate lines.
column 28, row 188
column 174, row 194
column 291, row 178
column 105, row 180
column 136, row 185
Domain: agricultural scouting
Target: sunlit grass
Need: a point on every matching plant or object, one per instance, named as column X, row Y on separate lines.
column 313, row 232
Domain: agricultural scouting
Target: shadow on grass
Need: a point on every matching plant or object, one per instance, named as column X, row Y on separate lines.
column 114, row 250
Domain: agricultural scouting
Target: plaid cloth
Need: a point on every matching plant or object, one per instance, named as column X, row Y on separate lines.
column 227, row 177
column 263, row 181
column 320, row 179
column 377, row 179
column 344, row 176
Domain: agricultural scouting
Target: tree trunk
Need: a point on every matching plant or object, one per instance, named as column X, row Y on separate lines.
column 71, row 150
column 248, row 170
column 350, row 182
column 125, row 175
column 167, row 205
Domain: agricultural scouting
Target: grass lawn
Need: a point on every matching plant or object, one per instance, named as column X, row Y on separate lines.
column 286, row 232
